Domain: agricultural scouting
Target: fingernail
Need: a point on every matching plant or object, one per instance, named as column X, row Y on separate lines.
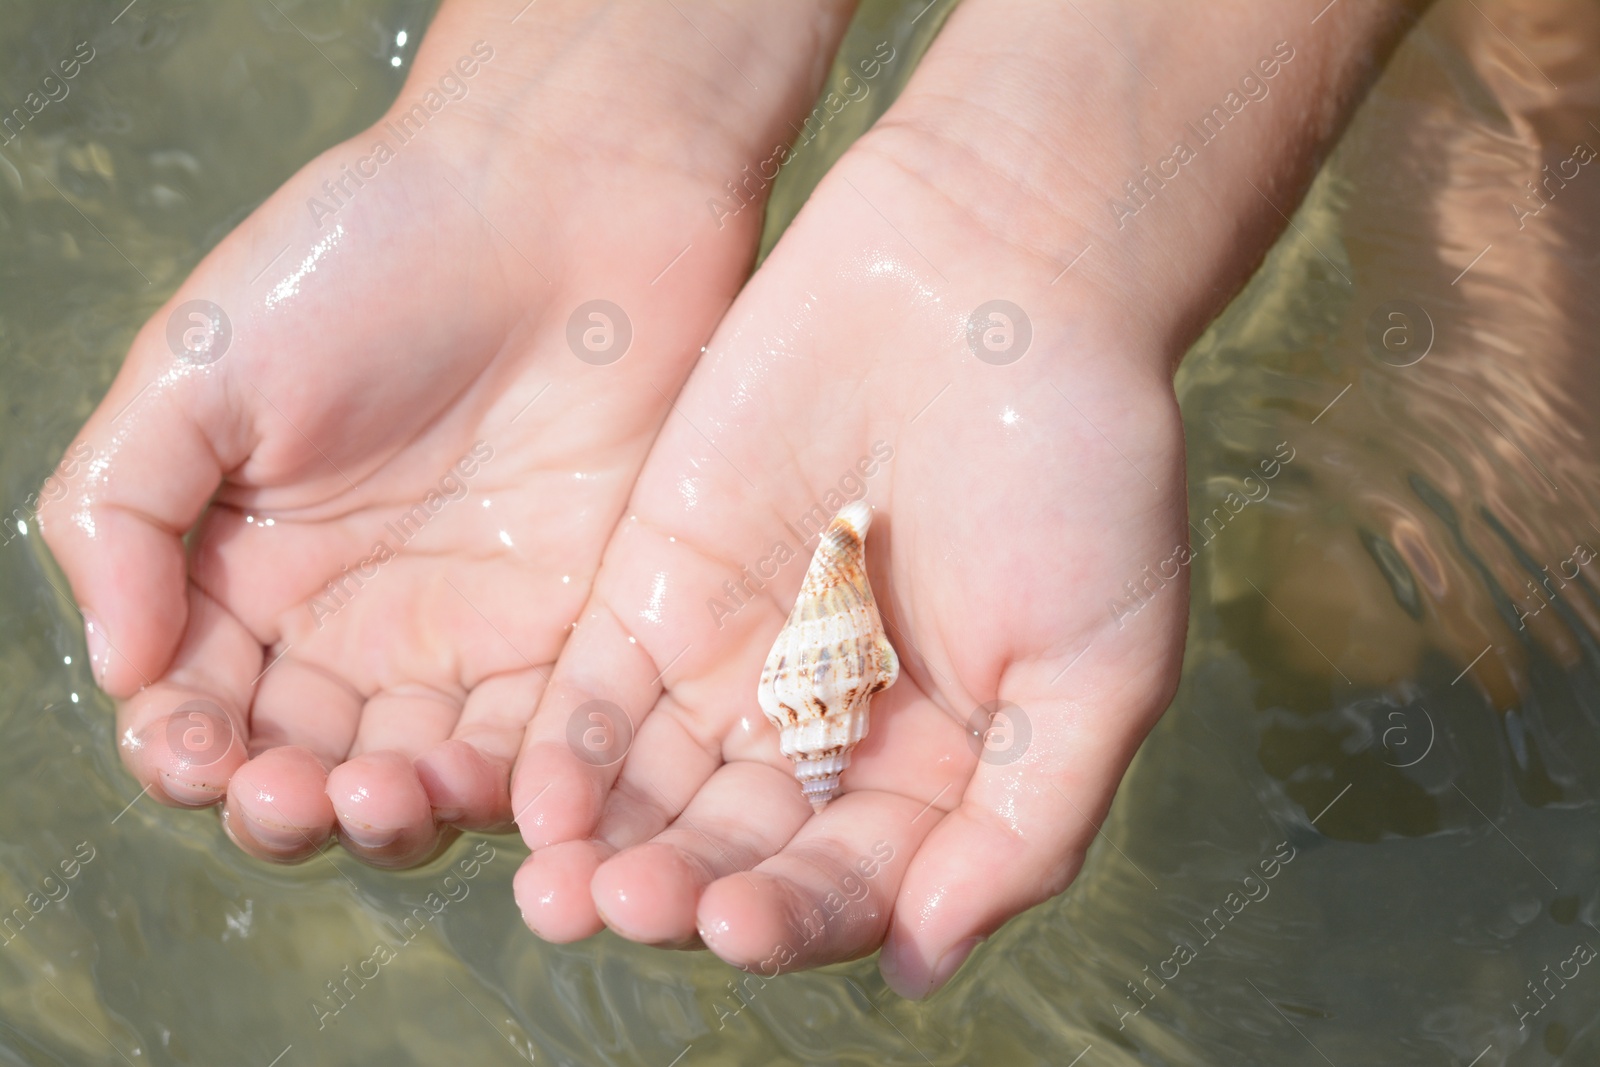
column 368, row 836
column 94, row 638
column 889, row 964
column 273, row 833
column 951, row 962
column 185, row 792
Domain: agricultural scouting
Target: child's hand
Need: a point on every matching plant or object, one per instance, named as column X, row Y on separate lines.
column 1013, row 500
column 415, row 467
column 1023, row 488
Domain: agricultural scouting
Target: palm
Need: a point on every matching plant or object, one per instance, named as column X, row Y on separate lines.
column 1007, row 520
column 363, row 632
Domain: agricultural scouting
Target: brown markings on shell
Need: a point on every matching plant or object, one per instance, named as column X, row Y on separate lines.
column 824, row 657
column 844, row 578
column 846, row 546
column 839, row 587
column 844, row 537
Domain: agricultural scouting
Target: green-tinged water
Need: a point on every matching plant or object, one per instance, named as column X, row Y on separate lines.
column 1364, row 833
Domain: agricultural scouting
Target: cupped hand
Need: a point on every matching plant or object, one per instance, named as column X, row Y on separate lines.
column 1029, row 550
column 1025, row 467
column 407, row 447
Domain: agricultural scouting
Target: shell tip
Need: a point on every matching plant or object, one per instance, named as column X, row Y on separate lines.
column 818, row 803
column 858, row 514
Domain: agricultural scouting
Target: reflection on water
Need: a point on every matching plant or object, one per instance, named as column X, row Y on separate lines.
column 1365, row 831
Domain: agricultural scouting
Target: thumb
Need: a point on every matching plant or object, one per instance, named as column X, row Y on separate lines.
column 135, row 479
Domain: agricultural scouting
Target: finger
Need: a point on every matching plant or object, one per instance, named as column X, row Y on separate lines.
column 826, row 896
column 384, row 816
column 135, row 479
column 601, row 689
column 1031, row 814
column 651, row 892
column 302, row 704
column 183, row 737
column 665, row 767
column 610, row 677
column 406, row 720
column 552, row 890
column 277, row 806
column 302, row 722
column 468, row 775
column 465, row 789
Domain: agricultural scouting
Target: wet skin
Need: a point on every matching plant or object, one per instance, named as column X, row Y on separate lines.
column 409, row 343
column 1019, row 497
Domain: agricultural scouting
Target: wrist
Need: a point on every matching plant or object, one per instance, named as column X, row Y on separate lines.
column 666, row 89
column 1156, row 202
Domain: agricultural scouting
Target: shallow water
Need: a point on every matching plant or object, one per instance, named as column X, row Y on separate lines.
column 1368, row 818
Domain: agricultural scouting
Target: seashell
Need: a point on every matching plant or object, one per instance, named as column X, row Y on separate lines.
column 829, row 659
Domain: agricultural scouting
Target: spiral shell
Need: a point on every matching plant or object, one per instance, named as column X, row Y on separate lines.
column 829, row 659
